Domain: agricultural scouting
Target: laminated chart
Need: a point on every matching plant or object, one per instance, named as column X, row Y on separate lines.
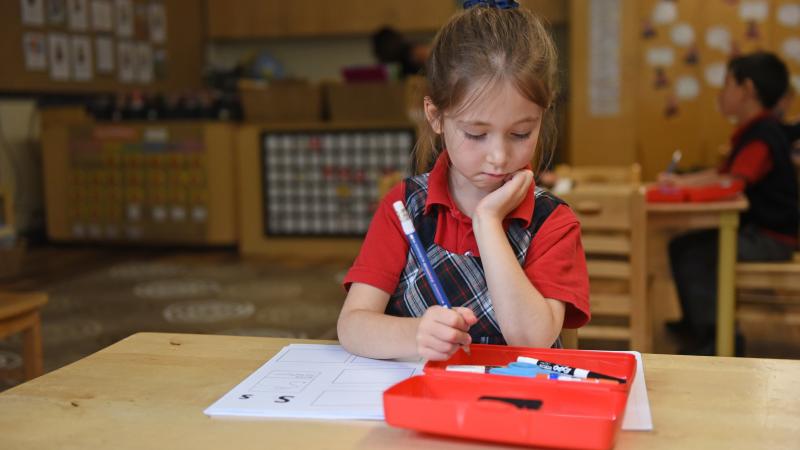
column 326, row 183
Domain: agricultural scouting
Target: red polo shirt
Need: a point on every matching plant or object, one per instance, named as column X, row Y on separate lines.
column 555, row 262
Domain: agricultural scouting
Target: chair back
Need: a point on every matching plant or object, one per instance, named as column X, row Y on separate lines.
column 613, row 230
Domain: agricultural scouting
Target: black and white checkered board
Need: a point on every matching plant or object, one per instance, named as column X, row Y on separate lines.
column 325, row 183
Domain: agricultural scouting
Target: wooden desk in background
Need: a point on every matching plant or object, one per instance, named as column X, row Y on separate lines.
column 665, row 220
column 150, row 390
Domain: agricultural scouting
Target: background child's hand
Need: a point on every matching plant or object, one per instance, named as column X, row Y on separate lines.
column 442, row 331
column 668, row 179
column 500, row 202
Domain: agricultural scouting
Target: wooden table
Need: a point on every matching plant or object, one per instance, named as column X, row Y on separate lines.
column 667, row 219
column 150, row 390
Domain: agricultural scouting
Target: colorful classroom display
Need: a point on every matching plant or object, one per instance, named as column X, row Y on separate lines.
column 326, row 183
column 684, row 50
column 126, row 183
column 80, row 40
column 651, row 71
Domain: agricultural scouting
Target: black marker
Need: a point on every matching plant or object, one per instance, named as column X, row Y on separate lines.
column 567, row 370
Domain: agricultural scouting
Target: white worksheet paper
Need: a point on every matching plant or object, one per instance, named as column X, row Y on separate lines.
column 637, row 410
column 317, row 381
column 314, row 381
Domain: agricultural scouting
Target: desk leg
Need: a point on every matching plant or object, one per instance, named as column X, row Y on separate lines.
column 32, row 347
column 726, row 294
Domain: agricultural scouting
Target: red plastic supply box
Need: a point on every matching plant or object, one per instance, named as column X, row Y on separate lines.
column 706, row 193
column 571, row 414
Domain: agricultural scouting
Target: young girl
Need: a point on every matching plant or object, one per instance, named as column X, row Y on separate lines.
column 508, row 255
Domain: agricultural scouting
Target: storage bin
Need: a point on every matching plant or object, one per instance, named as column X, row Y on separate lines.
column 570, row 414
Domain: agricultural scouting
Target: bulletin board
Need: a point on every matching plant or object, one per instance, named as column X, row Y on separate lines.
column 75, row 46
column 684, row 52
column 672, row 67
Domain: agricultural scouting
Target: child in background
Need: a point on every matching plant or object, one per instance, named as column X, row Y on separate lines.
column 760, row 157
column 508, row 254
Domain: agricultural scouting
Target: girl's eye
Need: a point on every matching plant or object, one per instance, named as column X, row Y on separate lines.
column 475, row 137
column 521, row 136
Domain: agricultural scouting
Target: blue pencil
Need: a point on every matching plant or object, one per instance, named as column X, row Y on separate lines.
column 419, row 253
column 421, row 256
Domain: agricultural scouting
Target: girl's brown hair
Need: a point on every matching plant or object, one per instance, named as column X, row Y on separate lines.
column 479, row 47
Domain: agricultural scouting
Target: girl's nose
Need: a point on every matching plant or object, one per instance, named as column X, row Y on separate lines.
column 498, row 153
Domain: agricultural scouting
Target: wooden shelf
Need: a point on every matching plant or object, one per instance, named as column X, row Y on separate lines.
column 253, row 19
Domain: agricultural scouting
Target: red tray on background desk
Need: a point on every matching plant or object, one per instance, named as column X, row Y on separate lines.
column 706, row 193
column 571, row 414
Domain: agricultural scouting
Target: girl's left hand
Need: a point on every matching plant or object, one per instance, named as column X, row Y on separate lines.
column 500, row 202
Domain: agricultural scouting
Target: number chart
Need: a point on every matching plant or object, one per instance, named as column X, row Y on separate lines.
column 326, row 183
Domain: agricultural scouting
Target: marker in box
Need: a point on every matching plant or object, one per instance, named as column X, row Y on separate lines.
column 470, row 368
column 568, row 378
column 519, row 369
column 567, row 370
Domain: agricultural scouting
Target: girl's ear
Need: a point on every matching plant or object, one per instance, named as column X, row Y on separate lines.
column 433, row 115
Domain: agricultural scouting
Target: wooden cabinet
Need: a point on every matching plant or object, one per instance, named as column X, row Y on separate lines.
column 230, row 19
column 243, row 19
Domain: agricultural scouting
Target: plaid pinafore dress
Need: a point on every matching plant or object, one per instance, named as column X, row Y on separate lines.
column 462, row 276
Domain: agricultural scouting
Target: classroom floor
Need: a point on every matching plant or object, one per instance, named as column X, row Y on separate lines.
column 99, row 295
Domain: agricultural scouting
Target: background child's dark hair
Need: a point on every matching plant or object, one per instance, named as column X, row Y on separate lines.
column 479, row 47
column 768, row 73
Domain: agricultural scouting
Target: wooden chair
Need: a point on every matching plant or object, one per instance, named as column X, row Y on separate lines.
column 613, row 231
column 780, row 278
column 19, row 312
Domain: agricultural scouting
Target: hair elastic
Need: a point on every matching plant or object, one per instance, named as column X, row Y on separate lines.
column 499, row 4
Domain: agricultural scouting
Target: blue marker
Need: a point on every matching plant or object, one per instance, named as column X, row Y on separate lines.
column 521, row 369
column 419, row 253
column 421, row 256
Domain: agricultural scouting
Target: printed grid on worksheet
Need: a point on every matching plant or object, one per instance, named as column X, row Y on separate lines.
column 327, row 183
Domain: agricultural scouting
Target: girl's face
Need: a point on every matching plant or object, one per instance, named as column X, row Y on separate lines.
column 491, row 139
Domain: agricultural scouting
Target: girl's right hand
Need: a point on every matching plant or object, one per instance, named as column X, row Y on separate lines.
column 497, row 204
column 442, row 331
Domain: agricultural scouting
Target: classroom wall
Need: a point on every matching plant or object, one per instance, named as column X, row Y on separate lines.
column 649, row 86
column 39, row 55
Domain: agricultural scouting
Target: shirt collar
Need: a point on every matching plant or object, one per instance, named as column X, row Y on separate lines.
column 439, row 192
column 740, row 130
